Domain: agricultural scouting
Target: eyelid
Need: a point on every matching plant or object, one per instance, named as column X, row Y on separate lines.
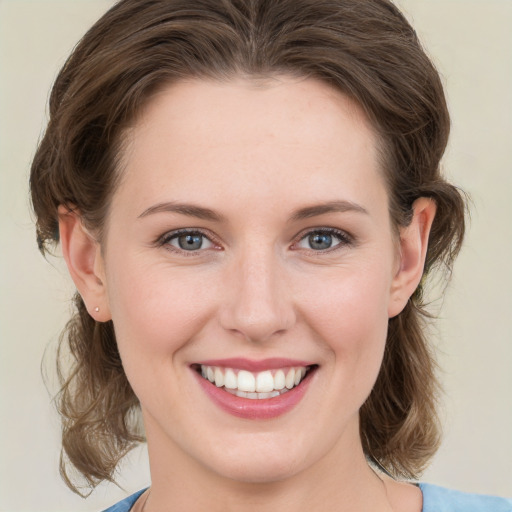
column 345, row 238
column 163, row 240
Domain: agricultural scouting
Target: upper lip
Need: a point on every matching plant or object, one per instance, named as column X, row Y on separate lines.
column 252, row 365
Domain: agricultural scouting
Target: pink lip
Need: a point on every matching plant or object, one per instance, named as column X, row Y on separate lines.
column 255, row 409
column 255, row 366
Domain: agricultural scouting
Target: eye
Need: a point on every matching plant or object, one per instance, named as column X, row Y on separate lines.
column 185, row 240
column 323, row 240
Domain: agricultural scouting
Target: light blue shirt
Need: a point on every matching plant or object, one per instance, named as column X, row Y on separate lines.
column 435, row 499
column 440, row 499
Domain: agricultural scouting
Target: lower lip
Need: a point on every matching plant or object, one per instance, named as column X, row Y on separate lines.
column 255, row 409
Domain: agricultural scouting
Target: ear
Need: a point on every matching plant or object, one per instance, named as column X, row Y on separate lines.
column 413, row 250
column 83, row 257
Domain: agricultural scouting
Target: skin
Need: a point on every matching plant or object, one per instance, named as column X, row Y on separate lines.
column 254, row 154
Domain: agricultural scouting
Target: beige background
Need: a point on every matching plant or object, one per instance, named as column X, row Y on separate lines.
column 471, row 41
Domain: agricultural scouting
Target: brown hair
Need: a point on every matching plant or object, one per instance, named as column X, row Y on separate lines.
column 364, row 48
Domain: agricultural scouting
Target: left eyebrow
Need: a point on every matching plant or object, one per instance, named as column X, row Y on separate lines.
column 330, row 207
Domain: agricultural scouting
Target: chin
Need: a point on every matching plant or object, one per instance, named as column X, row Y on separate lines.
column 257, row 463
column 259, row 472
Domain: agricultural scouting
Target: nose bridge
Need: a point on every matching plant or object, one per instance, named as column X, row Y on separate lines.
column 259, row 305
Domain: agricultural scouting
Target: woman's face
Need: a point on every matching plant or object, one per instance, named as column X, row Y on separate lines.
column 250, row 240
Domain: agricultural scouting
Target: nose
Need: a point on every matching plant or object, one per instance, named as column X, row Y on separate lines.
column 257, row 304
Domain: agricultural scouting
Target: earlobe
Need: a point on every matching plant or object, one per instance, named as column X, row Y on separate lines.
column 84, row 260
column 413, row 250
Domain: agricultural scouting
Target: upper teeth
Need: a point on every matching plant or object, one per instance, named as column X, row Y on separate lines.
column 262, row 382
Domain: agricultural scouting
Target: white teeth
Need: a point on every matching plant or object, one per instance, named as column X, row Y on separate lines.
column 279, row 380
column 272, row 394
column 219, row 378
column 265, row 384
column 290, row 378
column 258, row 396
column 230, row 380
column 246, row 381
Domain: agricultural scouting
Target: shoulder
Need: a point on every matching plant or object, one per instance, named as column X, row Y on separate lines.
column 126, row 504
column 440, row 499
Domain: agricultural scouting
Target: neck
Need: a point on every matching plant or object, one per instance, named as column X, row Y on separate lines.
column 340, row 480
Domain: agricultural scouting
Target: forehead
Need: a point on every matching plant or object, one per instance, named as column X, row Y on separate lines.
column 310, row 109
column 295, row 134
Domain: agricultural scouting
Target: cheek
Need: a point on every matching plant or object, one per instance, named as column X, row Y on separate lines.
column 349, row 314
column 156, row 313
column 346, row 305
column 156, row 310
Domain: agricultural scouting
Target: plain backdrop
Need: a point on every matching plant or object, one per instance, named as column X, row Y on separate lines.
column 471, row 42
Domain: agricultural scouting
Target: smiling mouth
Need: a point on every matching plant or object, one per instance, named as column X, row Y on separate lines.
column 261, row 385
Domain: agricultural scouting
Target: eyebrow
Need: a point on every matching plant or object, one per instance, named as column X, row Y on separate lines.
column 200, row 212
column 330, row 207
column 189, row 210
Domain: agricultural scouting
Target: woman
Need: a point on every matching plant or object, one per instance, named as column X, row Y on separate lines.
column 248, row 200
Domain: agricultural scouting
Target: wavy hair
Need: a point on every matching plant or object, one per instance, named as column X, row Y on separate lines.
column 364, row 48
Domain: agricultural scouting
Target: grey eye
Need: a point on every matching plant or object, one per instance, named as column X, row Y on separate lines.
column 320, row 241
column 190, row 241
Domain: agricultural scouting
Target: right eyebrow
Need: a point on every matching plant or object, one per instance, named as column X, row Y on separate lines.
column 329, row 207
column 190, row 210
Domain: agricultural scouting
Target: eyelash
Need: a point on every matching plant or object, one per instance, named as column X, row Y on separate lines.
column 344, row 240
column 164, row 241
